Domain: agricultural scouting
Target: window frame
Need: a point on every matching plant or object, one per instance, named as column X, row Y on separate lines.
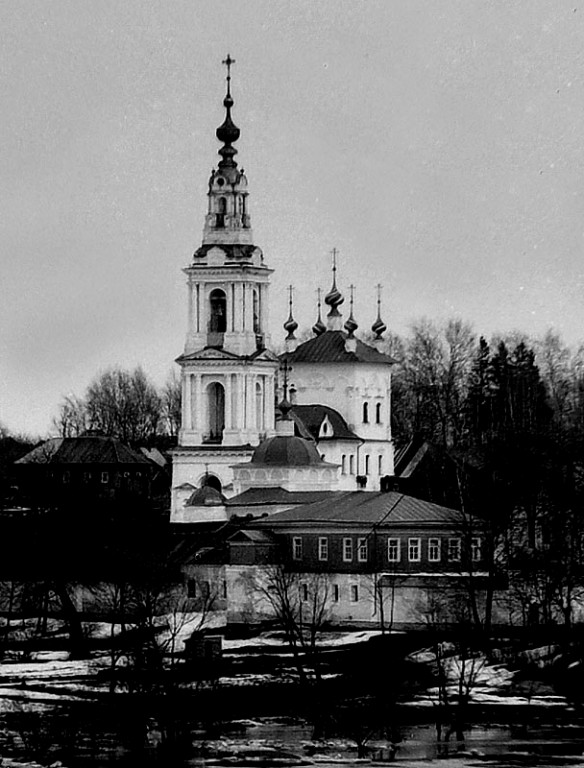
column 397, row 558
column 454, row 545
column 347, row 549
column 297, row 548
column 354, row 593
column 414, row 542
column 362, row 549
column 323, row 548
column 476, row 550
column 437, row 547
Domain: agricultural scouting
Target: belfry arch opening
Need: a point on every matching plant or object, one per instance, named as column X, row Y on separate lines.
column 211, row 481
column 217, row 311
column 215, row 412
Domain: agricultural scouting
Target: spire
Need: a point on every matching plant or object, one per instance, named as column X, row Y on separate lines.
column 378, row 327
column 319, row 327
column 334, row 299
column 228, row 132
column 290, row 325
column 351, row 325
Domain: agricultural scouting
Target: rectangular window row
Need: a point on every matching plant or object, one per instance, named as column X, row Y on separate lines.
column 348, row 465
column 335, row 593
column 413, row 552
column 453, row 552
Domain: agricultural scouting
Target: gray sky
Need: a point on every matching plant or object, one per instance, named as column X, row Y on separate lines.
column 438, row 144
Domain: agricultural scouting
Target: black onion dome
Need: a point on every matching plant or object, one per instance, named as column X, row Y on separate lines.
column 351, row 325
column 319, row 327
column 379, row 327
column 290, row 326
column 286, row 451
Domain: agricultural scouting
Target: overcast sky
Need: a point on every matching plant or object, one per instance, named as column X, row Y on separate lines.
column 437, row 144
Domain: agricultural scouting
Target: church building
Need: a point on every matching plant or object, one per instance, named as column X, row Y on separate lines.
column 337, row 386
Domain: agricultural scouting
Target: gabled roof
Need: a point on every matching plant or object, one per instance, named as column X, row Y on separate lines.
column 249, row 536
column 309, row 418
column 263, row 496
column 84, row 450
column 358, row 507
column 219, row 353
column 329, row 347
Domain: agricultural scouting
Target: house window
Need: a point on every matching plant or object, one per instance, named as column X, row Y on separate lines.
column 378, row 413
column 205, row 590
column 87, row 477
column 434, row 550
column 351, row 465
column 362, row 550
column 475, row 549
column 224, row 588
column 354, row 593
column 343, row 464
column 393, row 553
column 380, row 465
column 66, row 477
column 304, row 592
column 347, row 550
column 365, row 413
column 336, row 593
column 297, row 548
column 367, row 461
column 414, row 548
column 191, row 588
column 454, row 550
column 105, row 477
column 323, row 548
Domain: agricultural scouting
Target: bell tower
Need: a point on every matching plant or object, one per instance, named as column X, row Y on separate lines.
column 227, row 370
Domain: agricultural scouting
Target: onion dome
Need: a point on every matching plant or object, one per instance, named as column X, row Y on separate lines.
column 286, row 451
column 378, row 327
column 228, row 132
column 334, row 297
column 319, row 327
column 351, row 324
column 290, row 325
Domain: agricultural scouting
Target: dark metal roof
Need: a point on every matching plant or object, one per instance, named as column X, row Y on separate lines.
column 286, row 451
column 231, row 250
column 310, row 417
column 262, row 496
column 84, row 450
column 254, row 537
column 353, row 507
column 329, row 347
column 206, row 497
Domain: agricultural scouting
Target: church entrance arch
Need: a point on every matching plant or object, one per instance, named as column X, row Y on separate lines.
column 215, row 412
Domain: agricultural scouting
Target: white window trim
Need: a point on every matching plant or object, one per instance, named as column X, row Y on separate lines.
column 458, row 549
column 296, row 547
column 362, row 544
column 417, row 542
column 349, row 548
column 438, row 548
column 323, row 548
column 397, row 559
column 476, row 549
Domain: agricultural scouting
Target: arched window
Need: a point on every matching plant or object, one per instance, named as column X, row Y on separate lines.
column 351, row 465
column 256, row 312
column 221, row 211
column 259, row 395
column 218, row 311
column 380, row 464
column 343, row 464
column 216, row 412
column 367, row 457
column 365, row 413
column 378, row 413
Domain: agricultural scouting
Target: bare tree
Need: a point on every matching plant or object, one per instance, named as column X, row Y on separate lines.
column 171, row 403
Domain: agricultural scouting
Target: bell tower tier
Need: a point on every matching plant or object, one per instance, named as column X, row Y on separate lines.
column 227, row 370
